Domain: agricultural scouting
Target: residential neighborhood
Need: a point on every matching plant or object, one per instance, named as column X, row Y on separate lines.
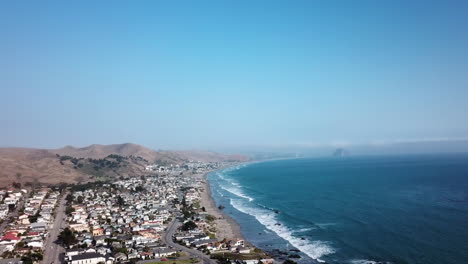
column 149, row 218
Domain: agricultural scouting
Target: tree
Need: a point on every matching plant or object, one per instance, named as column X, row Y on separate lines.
column 67, row 237
column 139, row 189
column 69, row 210
column 33, row 218
column 190, row 225
column 33, row 257
column 210, row 218
column 69, row 198
column 120, row 201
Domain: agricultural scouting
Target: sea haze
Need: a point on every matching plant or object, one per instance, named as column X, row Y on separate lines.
column 395, row 209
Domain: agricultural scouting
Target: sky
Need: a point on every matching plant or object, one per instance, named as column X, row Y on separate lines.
column 228, row 74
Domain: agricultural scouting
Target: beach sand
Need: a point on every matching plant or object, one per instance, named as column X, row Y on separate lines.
column 226, row 227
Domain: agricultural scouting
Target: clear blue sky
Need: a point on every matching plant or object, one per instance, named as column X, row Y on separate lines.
column 215, row 74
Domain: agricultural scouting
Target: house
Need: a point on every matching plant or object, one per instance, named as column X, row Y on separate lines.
column 120, row 256
column 100, row 240
column 243, row 250
column 133, row 255
column 35, row 244
column 38, row 227
column 73, row 252
column 10, row 238
column 3, row 210
column 163, row 252
column 79, row 227
column 87, row 258
column 204, row 242
column 98, row 232
column 10, row 200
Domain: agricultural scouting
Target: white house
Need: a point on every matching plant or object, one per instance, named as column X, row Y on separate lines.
column 87, row 258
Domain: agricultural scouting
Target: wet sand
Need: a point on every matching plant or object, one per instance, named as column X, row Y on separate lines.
column 226, row 227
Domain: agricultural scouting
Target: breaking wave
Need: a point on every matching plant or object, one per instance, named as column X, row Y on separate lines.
column 236, row 191
column 365, row 261
column 313, row 249
column 232, row 186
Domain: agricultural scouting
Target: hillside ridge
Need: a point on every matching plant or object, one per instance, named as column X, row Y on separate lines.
column 94, row 162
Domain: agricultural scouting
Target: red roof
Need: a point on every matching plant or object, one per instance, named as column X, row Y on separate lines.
column 33, row 233
column 10, row 236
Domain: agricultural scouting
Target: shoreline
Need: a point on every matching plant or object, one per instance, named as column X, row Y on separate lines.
column 226, row 226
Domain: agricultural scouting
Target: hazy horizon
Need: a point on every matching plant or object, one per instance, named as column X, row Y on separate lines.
column 243, row 75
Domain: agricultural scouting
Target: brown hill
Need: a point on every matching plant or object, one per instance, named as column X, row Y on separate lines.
column 33, row 165
column 94, row 162
column 96, row 151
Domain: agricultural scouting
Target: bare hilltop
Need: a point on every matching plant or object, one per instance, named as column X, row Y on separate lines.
column 95, row 162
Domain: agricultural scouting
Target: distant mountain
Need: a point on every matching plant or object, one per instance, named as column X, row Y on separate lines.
column 129, row 149
column 96, row 151
column 94, row 162
column 340, row 152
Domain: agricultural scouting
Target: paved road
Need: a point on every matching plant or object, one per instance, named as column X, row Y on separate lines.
column 167, row 239
column 53, row 250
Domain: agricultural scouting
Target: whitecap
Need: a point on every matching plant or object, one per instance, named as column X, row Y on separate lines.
column 302, row 230
column 365, row 261
column 228, row 180
column 237, row 192
column 313, row 249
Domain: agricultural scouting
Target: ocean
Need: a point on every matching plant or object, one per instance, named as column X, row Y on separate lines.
column 388, row 209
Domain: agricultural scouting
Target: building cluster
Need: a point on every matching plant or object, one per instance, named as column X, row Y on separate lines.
column 121, row 221
column 198, row 230
column 27, row 217
column 125, row 221
column 194, row 167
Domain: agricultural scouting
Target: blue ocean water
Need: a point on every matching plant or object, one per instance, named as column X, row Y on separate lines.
column 395, row 209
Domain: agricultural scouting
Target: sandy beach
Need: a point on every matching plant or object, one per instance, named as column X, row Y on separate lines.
column 226, row 227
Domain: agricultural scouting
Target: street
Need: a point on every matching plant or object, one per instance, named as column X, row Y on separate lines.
column 53, row 250
column 167, row 238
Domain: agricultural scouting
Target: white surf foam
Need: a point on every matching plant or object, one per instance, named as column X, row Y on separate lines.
column 365, row 261
column 302, row 230
column 313, row 249
column 222, row 195
column 236, row 191
column 231, row 181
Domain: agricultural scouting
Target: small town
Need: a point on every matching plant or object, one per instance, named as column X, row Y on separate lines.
column 155, row 218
